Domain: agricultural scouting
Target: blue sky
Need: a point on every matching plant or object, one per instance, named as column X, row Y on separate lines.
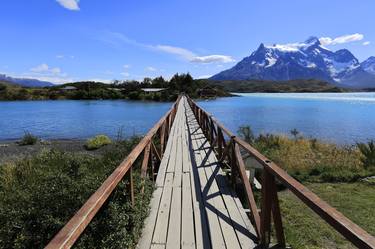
column 70, row 40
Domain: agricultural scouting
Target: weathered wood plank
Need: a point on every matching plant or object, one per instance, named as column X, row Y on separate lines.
column 174, row 229
column 187, row 226
column 149, row 224
column 161, row 227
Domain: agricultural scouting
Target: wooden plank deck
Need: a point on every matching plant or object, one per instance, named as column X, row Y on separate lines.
column 193, row 205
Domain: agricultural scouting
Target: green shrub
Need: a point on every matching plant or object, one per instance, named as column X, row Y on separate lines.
column 38, row 195
column 97, row 142
column 368, row 153
column 28, row 139
column 246, row 133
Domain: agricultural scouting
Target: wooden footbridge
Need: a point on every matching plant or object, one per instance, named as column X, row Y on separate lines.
column 203, row 197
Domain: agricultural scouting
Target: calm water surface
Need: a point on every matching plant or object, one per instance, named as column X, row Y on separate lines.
column 341, row 118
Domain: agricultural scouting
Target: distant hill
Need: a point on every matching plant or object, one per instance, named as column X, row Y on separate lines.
column 306, row 60
column 277, row 86
column 25, row 81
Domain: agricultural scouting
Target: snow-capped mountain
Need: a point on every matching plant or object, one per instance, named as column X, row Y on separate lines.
column 307, row 60
column 369, row 65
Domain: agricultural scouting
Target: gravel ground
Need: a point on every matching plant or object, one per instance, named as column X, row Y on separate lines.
column 10, row 150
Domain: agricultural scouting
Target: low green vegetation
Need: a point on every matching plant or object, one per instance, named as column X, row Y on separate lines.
column 97, row 142
column 39, row 194
column 306, row 230
column 132, row 90
column 294, row 86
column 335, row 173
column 28, row 139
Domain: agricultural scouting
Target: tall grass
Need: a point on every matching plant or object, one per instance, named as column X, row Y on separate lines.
column 311, row 159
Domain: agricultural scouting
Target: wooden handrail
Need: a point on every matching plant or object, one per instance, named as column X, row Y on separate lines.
column 68, row 235
column 352, row 232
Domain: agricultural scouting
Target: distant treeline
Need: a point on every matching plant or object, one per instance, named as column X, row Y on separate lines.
column 278, row 86
column 179, row 83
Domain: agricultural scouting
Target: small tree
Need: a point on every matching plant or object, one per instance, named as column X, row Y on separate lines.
column 294, row 133
column 28, row 139
column 246, row 134
column 368, row 153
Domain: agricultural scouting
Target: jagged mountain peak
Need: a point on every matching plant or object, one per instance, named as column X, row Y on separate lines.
column 313, row 40
column 305, row 60
column 369, row 65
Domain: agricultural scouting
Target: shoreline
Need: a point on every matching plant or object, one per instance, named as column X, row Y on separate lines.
column 10, row 150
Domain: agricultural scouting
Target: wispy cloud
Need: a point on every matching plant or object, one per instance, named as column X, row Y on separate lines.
column 151, row 69
column 213, row 58
column 117, row 39
column 325, row 41
column 62, row 56
column 366, row 43
column 44, row 68
column 69, row 4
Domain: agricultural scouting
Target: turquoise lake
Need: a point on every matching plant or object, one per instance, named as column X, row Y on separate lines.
column 343, row 118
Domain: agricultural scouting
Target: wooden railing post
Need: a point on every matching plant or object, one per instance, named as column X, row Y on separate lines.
column 276, row 214
column 131, row 186
column 270, row 208
column 220, row 142
column 162, row 139
column 254, row 216
column 265, row 224
column 144, row 167
column 233, row 164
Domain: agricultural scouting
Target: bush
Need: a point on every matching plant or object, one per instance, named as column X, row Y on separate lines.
column 97, row 142
column 246, row 133
column 38, row 195
column 28, row 139
column 368, row 153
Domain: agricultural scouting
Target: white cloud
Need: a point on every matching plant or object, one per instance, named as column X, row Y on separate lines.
column 182, row 52
column 116, row 39
column 341, row 39
column 69, row 4
column 46, row 73
column 191, row 56
column 213, row 58
column 366, row 43
column 40, row 68
column 61, row 56
column 126, row 66
column 204, row 76
column 107, row 81
column 45, row 69
column 151, row 69
column 126, row 74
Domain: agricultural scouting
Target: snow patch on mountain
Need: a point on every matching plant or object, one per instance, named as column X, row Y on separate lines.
column 305, row 60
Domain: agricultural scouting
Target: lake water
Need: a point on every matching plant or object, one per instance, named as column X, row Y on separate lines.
column 343, row 118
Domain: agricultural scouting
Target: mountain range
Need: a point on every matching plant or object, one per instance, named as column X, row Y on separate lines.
column 306, row 60
column 26, row 82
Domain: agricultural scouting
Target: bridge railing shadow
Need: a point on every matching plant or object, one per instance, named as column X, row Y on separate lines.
column 229, row 150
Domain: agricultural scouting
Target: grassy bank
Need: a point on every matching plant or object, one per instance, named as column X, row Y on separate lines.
column 311, row 160
column 39, row 194
column 335, row 173
column 306, row 230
